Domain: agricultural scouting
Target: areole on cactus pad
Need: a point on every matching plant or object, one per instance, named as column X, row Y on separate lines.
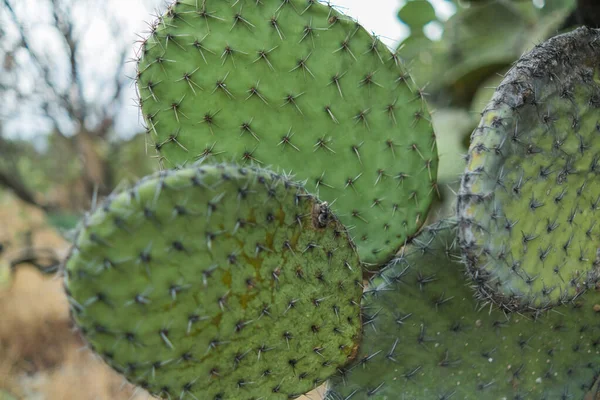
column 530, row 198
column 298, row 86
column 217, row 282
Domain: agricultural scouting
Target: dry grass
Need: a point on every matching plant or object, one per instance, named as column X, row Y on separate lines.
column 40, row 355
column 35, row 324
column 81, row 376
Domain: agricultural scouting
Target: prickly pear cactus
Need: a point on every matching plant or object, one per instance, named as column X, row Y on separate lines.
column 425, row 337
column 217, row 282
column 529, row 199
column 296, row 85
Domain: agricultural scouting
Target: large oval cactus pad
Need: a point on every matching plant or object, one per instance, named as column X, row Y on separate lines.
column 530, row 195
column 425, row 337
column 298, row 86
column 217, row 282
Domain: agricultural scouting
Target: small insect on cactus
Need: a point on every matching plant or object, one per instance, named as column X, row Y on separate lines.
column 217, row 282
column 296, row 85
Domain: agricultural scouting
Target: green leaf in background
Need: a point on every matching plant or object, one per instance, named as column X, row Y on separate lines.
column 417, row 14
column 452, row 125
column 479, row 41
column 63, row 221
column 484, row 92
column 416, row 47
column 130, row 160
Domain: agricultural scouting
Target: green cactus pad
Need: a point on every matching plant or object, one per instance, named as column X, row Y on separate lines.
column 217, row 282
column 530, row 195
column 298, row 86
column 426, row 337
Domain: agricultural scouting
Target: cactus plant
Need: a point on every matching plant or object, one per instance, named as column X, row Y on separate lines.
column 425, row 337
column 299, row 86
column 225, row 281
column 217, row 282
column 529, row 196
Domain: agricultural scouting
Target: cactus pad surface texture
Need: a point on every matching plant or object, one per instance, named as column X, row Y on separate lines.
column 217, row 282
column 426, row 337
column 530, row 198
column 296, row 85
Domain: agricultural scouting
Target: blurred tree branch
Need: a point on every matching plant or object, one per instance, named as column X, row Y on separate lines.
column 41, row 83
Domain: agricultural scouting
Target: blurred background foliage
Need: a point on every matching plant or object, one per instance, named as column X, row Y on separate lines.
column 66, row 85
column 460, row 69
